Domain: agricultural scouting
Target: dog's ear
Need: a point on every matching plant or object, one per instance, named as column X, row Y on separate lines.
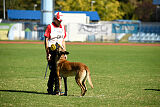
column 66, row 52
column 61, row 52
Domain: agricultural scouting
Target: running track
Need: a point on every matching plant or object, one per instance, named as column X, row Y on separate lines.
column 81, row 43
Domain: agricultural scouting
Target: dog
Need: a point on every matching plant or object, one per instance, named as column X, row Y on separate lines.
column 77, row 69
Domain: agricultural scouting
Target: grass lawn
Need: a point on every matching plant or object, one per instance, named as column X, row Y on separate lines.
column 121, row 75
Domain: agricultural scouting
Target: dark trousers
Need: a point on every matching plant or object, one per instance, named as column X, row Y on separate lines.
column 53, row 78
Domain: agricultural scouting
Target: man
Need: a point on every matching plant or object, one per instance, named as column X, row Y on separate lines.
column 55, row 33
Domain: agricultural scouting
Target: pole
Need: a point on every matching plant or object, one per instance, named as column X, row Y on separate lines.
column 157, row 15
column 92, row 5
column 4, row 14
column 46, row 12
column 35, row 5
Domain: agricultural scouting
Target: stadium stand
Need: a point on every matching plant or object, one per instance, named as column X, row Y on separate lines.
column 146, row 34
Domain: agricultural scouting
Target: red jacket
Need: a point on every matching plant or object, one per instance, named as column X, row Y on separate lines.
column 48, row 30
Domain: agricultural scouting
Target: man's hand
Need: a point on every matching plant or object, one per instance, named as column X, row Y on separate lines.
column 48, row 57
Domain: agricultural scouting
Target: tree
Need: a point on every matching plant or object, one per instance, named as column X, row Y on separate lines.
column 73, row 5
column 142, row 10
column 145, row 10
column 108, row 10
column 23, row 5
column 128, row 7
column 20, row 5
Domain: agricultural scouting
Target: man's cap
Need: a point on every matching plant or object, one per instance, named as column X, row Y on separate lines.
column 58, row 16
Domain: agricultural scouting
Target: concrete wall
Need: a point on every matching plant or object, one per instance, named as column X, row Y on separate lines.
column 69, row 18
column 16, row 32
column 3, row 34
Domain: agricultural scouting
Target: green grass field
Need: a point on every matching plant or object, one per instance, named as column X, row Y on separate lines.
column 121, row 75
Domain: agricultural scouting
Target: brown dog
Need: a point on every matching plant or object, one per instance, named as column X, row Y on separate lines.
column 77, row 69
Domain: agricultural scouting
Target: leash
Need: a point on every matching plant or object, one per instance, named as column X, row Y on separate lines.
column 46, row 71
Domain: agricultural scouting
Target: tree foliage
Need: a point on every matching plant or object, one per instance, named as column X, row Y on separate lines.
column 107, row 9
column 73, row 5
column 19, row 5
column 145, row 10
column 142, row 10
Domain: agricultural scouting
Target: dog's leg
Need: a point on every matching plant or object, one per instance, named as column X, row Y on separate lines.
column 80, row 85
column 83, row 77
column 65, row 84
column 84, row 82
column 84, row 85
column 59, row 81
column 60, row 86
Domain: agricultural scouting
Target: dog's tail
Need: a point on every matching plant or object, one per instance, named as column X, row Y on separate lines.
column 89, row 77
